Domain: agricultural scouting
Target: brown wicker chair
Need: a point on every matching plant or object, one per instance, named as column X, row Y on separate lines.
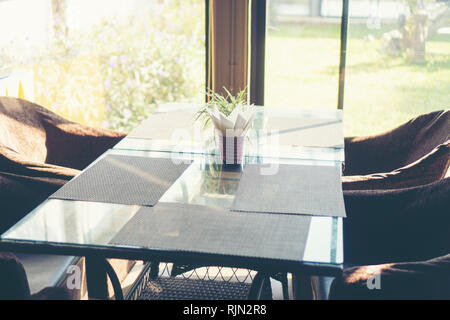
column 396, row 191
column 402, row 236
column 39, row 152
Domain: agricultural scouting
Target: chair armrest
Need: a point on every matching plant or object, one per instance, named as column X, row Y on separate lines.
column 409, row 280
column 430, row 168
column 17, row 164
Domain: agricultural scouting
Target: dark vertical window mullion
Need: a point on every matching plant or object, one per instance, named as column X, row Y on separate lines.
column 257, row 51
column 343, row 53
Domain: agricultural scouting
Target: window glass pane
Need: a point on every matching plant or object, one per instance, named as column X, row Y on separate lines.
column 302, row 53
column 398, row 59
column 103, row 62
column 398, row 63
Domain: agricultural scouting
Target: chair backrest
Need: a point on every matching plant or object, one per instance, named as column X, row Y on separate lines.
column 21, row 128
column 427, row 131
column 398, row 147
column 37, row 134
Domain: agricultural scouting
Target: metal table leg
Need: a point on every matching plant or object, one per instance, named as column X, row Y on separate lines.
column 285, row 286
column 301, row 287
column 260, row 282
column 97, row 270
column 154, row 269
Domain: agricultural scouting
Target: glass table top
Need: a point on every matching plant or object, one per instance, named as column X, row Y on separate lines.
column 205, row 182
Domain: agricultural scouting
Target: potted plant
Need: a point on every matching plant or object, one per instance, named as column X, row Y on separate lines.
column 231, row 117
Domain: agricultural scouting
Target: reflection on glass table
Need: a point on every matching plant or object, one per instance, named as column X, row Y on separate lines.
column 76, row 222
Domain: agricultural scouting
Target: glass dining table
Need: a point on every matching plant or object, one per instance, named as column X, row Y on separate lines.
column 85, row 228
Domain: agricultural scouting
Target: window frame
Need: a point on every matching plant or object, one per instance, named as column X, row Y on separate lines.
column 257, row 53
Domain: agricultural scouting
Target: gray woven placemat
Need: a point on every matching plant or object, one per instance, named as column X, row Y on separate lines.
column 186, row 227
column 292, row 189
column 311, row 132
column 123, row 180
